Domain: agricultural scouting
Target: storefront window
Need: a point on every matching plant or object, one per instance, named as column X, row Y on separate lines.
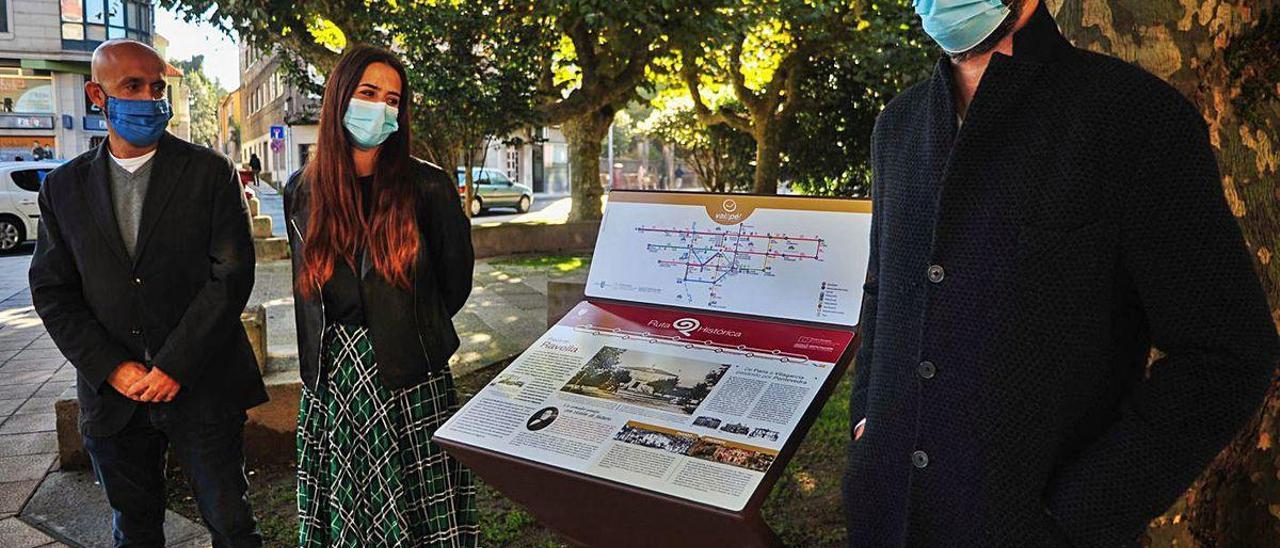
column 33, row 147
column 25, row 91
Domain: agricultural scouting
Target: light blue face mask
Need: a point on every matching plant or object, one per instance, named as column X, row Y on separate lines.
column 959, row 25
column 369, row 123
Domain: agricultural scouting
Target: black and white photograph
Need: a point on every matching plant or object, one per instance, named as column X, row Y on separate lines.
column 655, row 437
column 707, row 422
column 665, row 383
column 542, row 419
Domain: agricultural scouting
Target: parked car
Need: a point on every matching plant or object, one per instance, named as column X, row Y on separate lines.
column 495, row 189
column 19, row 213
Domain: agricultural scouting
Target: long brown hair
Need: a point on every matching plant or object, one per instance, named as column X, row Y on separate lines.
column 336, row 228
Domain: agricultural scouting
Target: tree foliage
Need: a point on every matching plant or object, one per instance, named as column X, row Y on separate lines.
column 719, row 155
column 205, row 94
column 765, row 55
column 827, row 149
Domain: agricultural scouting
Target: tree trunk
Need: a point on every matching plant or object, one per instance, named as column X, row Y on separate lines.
column 768, row 157
column 1220, row 54
column 584, row 135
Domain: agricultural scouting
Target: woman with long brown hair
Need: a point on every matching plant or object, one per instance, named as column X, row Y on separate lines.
column 382, row 260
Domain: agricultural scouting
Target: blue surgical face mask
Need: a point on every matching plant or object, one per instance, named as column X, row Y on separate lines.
column 369, row 123
column 141, row 122
column 959, row 25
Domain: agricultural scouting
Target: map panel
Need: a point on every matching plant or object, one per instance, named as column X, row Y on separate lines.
column 777, row 257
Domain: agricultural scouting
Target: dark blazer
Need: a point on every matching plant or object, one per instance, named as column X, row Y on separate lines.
column 180, row 298
column 412, row 331
column 1023, row 267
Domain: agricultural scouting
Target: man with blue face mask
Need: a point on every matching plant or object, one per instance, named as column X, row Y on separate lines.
column 143, row 264
column 1046, row 221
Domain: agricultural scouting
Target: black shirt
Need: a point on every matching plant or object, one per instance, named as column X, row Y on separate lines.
column 342, row 301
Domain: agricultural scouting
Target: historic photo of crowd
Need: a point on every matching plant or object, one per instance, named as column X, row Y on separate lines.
column 666, row 383
column 655, row 437
column 693, row 445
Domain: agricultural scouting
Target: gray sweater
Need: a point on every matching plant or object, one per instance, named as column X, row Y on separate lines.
column 128, row 192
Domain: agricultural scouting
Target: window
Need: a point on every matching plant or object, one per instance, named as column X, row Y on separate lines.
column 86, row 23
column 25, row 91
column 4, row 16
column 497, row 177
column 29, row 179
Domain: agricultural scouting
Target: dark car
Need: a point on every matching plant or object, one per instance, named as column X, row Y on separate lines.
column 495, row 189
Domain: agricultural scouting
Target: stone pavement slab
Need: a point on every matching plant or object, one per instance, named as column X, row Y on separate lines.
column 16, row 534
column 73, row 506
column 25, row 467
column 23, row 424
column 13, row 494
column 28, row 444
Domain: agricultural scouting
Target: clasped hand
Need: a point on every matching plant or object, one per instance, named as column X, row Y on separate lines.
column 134, row 381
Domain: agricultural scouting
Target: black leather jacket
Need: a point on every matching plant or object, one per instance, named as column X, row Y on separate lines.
column 412, row 331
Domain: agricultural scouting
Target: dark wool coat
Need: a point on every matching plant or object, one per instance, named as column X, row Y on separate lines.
column 179, row 299
column 1021, row 270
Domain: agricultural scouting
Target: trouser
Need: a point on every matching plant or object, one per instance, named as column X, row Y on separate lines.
column 130, row 465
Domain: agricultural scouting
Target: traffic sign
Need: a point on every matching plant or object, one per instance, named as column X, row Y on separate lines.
column 277, row 132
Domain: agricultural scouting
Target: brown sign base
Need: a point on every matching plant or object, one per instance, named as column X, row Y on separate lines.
column 588, row 511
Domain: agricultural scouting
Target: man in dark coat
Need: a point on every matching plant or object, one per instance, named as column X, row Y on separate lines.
column 255, row 165
column 143, row 264
column 1045, row 218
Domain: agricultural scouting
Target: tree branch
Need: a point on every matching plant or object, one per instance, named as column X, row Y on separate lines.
column 584, row 45
column 748, row 97
column 689, row 72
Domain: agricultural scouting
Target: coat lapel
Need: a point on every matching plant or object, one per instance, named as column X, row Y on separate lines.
column 101, row 206
column 166, row 176
column 1006, row 83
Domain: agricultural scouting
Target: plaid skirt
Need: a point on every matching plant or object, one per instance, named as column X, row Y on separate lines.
column 368, row 474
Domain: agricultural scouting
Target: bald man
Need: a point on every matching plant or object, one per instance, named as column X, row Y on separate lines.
column 143, row 263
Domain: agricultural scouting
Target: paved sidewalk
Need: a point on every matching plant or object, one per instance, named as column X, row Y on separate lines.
column 32, row 375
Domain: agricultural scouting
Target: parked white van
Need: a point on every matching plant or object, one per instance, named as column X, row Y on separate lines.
column 19, row 213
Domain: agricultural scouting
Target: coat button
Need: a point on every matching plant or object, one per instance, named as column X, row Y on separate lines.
column 920, row 459
column 137, row 281
column 936, row 273
column 927, row 370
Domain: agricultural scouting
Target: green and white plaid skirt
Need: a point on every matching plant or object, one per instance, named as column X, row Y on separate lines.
column 368, row 474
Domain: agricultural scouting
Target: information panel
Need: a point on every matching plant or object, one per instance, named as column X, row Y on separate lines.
column 773, row 256
column 691, row 405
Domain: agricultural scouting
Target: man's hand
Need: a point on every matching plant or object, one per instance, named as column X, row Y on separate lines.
column 125, row 375
column 156, row 386
column 858, row 429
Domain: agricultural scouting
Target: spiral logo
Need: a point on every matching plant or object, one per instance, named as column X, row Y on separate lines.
column 686, row 326
column 730, row 205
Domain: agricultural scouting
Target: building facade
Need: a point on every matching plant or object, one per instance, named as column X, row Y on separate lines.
column 230, row 122
column 44, row 64
column 268, row 100
column 179, row 95
column 537, row 157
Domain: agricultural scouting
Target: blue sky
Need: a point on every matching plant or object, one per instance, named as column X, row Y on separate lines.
column 221, row 53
